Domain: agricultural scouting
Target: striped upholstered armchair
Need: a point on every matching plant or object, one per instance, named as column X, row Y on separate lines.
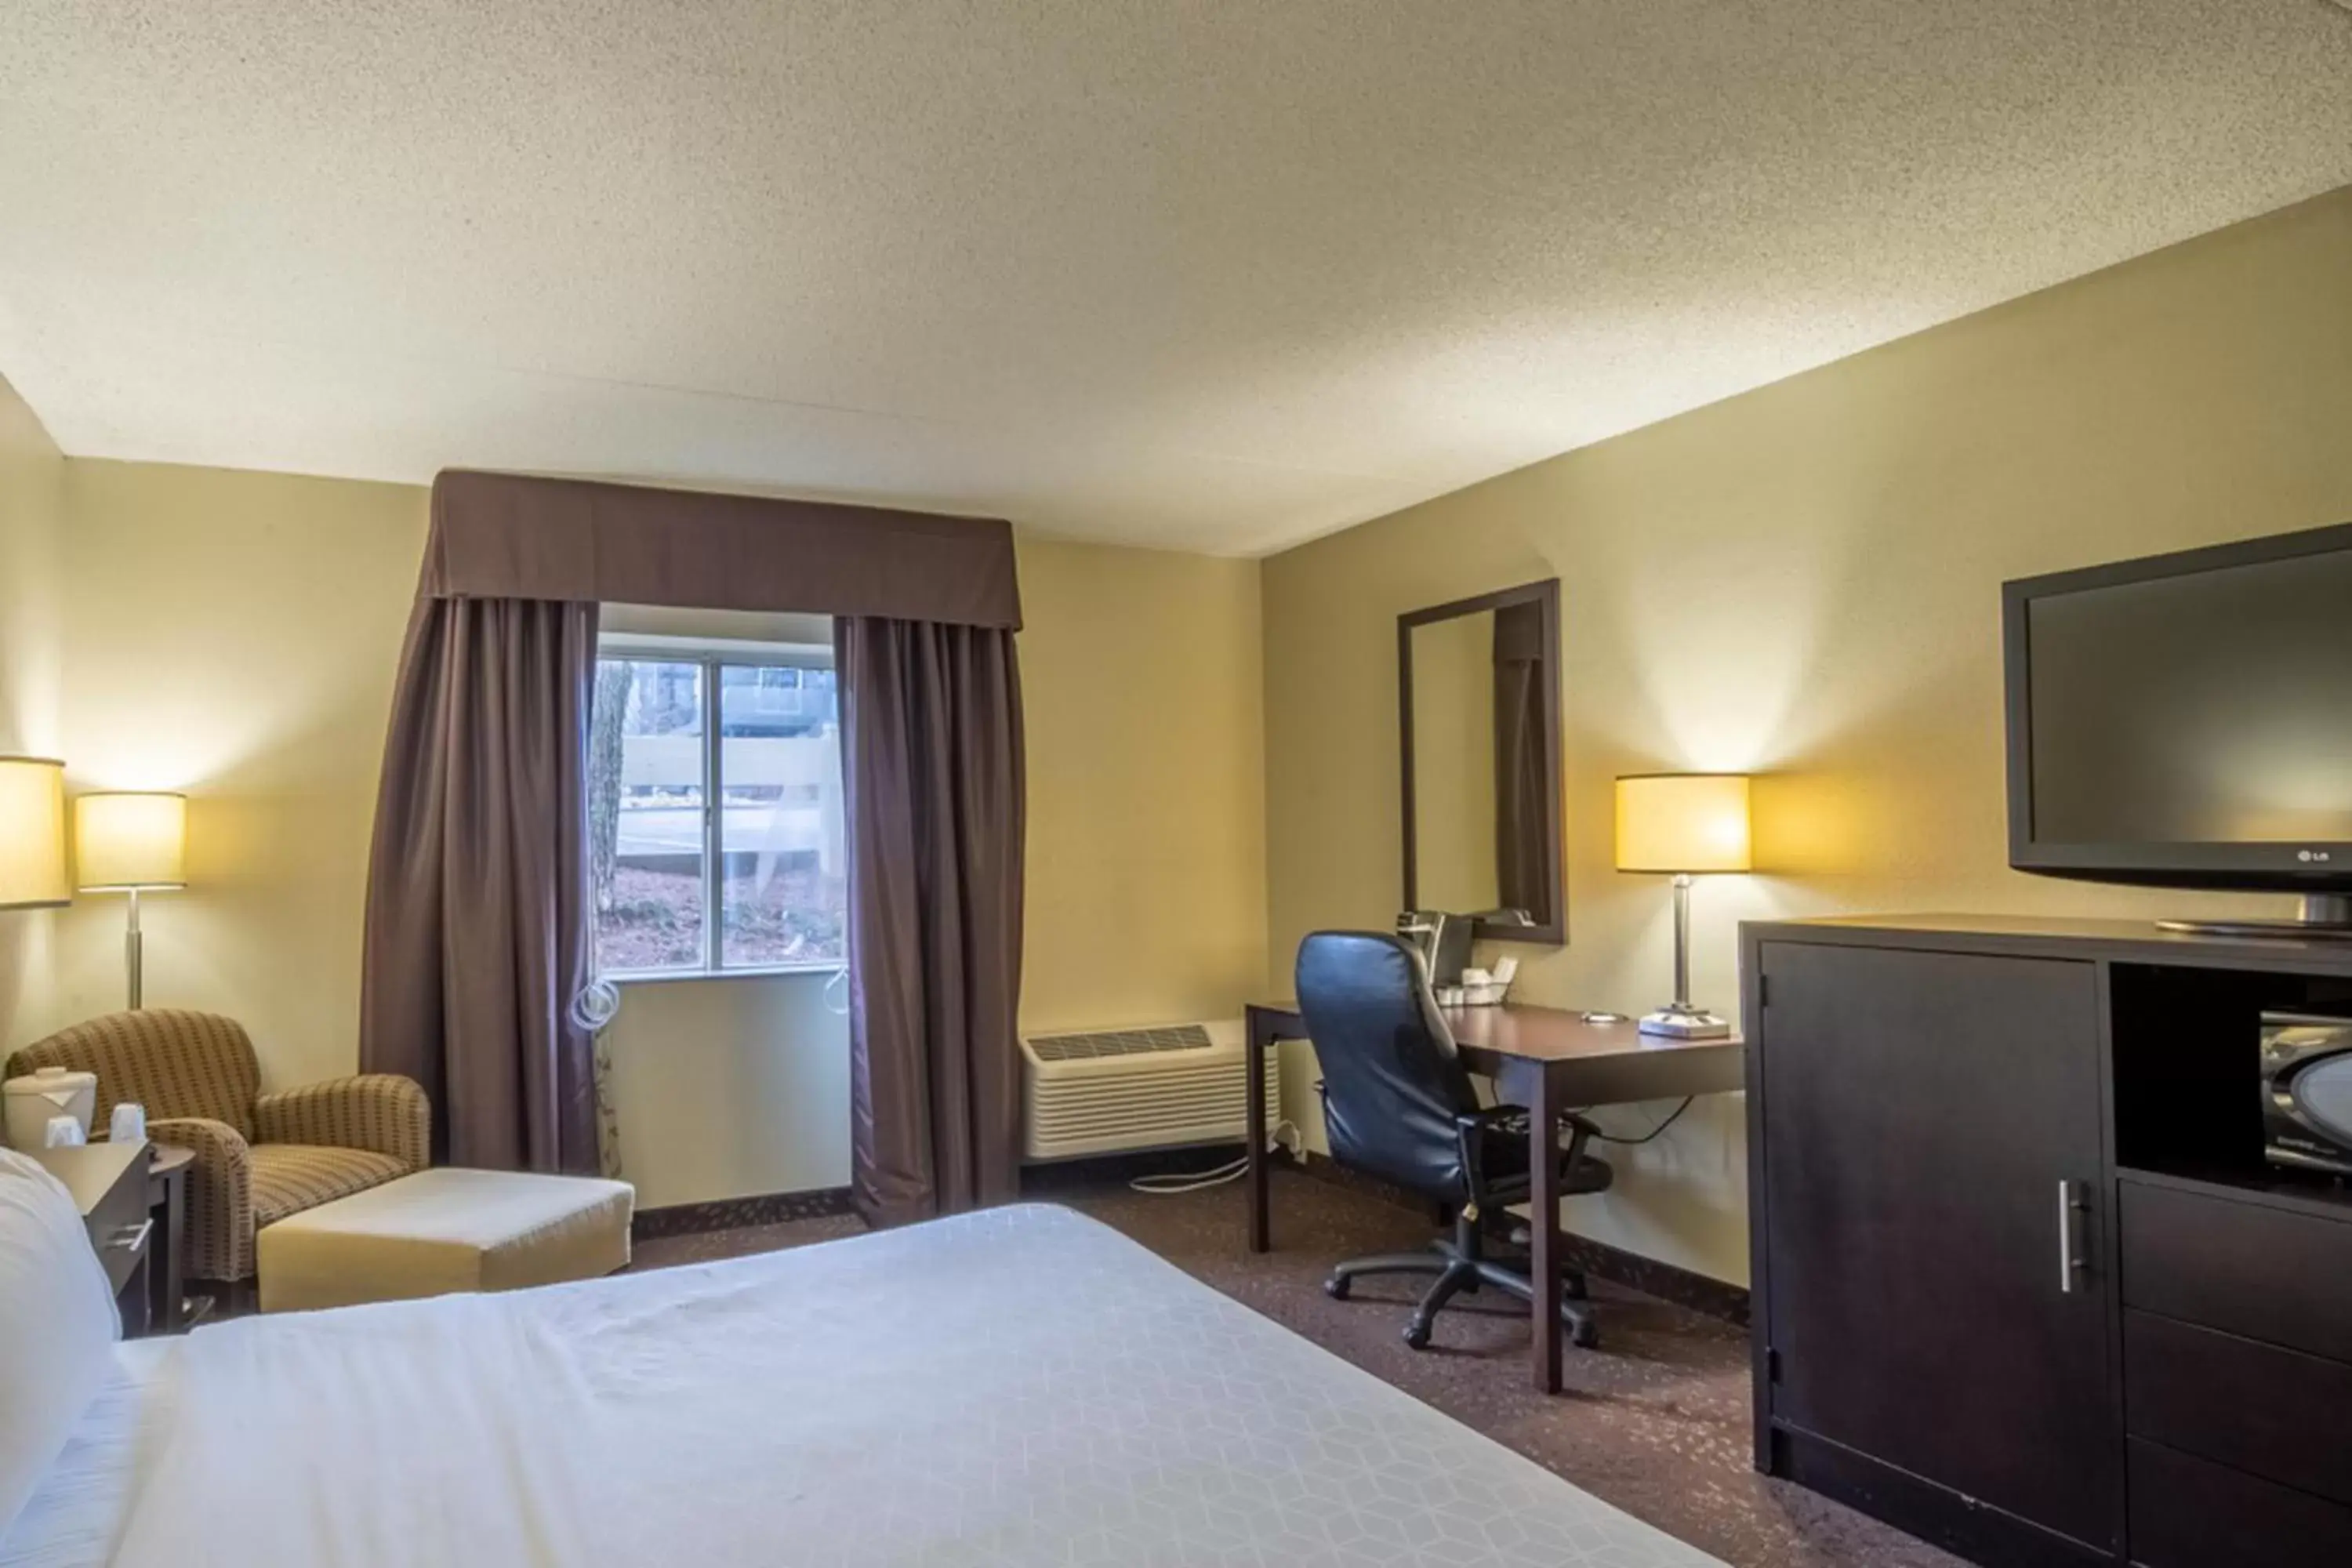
column 259, row 1157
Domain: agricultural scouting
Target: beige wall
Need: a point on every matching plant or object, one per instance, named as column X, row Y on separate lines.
column 731, row 1087
column 32, row 527
column 234, row 634
column 1804, row 580
column 1141, row 686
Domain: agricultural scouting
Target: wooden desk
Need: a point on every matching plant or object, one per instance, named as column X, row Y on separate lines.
column 1546, row 1060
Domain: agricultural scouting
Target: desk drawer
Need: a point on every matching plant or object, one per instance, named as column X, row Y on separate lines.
column 2246, row 1268
column 2270, row 1412
column 2190, row 1513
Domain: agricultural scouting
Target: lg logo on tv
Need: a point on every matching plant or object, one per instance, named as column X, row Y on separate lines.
column 2309, row 856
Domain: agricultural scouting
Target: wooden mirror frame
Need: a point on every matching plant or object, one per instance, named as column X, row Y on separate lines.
column 1545, row 595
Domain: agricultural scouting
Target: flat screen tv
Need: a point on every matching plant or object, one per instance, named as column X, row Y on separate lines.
column 2186, row 720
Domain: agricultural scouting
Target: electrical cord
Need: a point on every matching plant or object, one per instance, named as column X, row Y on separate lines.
column 1672, row 1117
column 1172, row 1182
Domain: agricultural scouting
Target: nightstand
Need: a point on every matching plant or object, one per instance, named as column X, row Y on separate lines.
column 169, row 1310
column 110, row 1185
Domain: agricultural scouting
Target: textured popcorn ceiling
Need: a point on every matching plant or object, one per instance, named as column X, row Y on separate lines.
column 1215, row 276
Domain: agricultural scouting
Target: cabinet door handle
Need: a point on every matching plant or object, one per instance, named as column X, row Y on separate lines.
column 130, row 1237
column 2070, row 1260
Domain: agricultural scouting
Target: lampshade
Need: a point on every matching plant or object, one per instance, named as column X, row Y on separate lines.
column 1682, row 822
column 33, row 834
column 125, row 841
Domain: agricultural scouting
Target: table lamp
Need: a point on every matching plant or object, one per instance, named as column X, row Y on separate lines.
column 33, row 834
column 1685, row 823
column 134, row 844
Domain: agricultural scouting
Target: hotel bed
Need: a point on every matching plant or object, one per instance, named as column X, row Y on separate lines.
column 1022, row 1386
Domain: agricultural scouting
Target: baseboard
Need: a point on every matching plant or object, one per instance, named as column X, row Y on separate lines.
column 734, row 1213
column 1701, row 1293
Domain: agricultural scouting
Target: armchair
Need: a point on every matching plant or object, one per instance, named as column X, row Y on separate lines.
column 259, row 1157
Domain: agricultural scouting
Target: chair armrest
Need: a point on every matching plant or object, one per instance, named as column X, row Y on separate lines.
column 218, row 1194
column 380, row 1112
column 1470, row 1127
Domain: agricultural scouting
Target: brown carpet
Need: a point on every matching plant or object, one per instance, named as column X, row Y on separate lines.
column 1654, row 1422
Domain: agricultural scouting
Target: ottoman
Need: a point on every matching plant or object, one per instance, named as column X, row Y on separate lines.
column 443, row 1230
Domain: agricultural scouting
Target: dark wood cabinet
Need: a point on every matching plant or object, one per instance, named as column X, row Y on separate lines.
column 1933, row 1299
column 2188, row 1512
column 2023, row 1282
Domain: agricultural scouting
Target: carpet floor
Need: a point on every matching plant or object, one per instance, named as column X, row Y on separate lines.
column 1654, row 1422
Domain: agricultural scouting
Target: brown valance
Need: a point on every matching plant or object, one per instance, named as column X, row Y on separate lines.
column 509, row 536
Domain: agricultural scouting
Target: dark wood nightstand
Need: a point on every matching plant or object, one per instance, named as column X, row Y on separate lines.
column 110, row 1185
column 168, row 1308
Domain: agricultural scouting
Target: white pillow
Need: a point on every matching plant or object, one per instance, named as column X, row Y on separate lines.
column 57, row 1326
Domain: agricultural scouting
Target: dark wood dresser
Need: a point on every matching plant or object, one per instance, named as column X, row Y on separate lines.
column 2024, row 1283
column 111, row 1185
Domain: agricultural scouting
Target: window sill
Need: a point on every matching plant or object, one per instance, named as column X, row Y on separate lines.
column 769, row 971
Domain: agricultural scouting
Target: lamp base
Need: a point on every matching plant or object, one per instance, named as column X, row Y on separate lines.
column 1678, row 1020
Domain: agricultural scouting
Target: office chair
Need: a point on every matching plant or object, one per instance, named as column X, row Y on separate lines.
column 1398, row 1104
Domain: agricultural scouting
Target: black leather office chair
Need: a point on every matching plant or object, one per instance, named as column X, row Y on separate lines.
column 1398, row 1104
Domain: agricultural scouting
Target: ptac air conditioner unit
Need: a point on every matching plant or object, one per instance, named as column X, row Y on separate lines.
column 1118, row 1089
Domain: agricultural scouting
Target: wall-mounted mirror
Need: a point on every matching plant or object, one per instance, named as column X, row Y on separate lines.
column 1478, row 700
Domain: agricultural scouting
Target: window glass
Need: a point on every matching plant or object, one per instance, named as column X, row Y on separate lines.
column 646, row 799
column 785, row 897
column 778, row 879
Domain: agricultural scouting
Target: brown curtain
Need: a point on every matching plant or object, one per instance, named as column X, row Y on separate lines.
column 1522, row 879
column 931, row 754
column 477, row 941
column 509, row 536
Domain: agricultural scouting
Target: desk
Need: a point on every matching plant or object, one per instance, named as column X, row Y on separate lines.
column 1546, row 1060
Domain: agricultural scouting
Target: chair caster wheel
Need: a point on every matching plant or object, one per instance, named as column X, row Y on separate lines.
column 1336, row 1287
column 1586, row 1336
column 1417, row 1335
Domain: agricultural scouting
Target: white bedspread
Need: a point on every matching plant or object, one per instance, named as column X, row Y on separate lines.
column 73, row 1519
column 1019, row 1387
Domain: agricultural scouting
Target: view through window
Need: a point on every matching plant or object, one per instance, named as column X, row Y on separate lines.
column 714, row 799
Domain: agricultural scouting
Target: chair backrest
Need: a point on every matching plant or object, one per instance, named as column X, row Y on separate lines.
column 1393, row 1083
column 172, row 1062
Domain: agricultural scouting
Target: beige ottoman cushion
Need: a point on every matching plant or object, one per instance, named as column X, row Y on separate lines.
column 444, row 1231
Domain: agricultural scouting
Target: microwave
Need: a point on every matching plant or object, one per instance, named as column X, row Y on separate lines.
column 2307, row 1092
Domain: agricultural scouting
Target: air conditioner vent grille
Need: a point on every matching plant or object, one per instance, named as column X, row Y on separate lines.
column 1100, row 1091
column 1118, row 1043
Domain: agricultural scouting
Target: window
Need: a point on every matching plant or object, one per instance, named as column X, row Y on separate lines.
column 714, row 802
